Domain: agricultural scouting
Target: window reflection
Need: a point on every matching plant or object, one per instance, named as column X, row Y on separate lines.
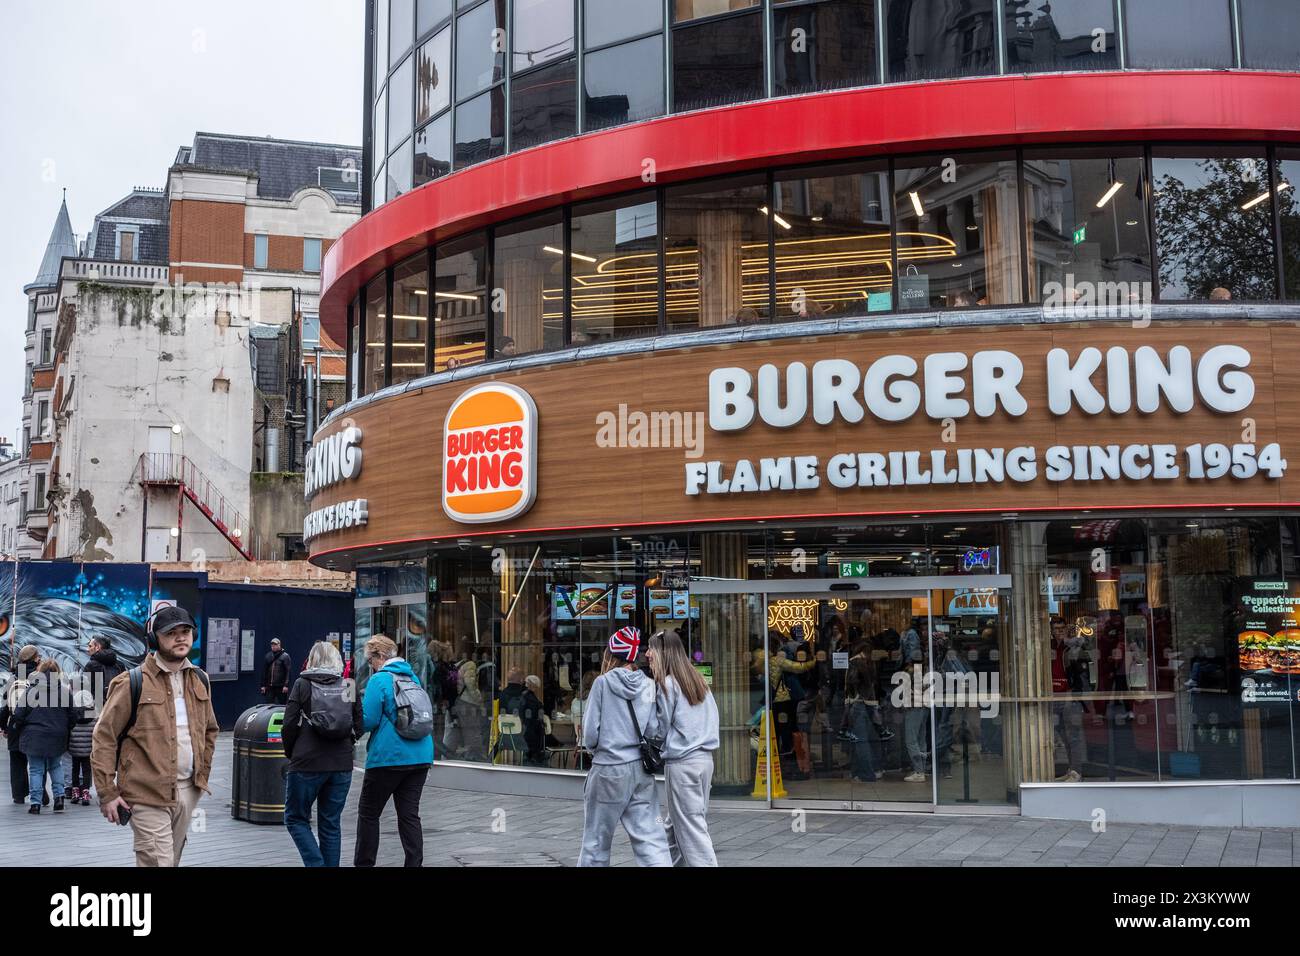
column 460, row 292
column 399, row 171
column 925, row 40
column 410, row 318
column 529, row 269
column 1270, row 34
column 833, row 243
column 479, row 60
column 693, row 9
column 605, row 21
column 1214, row 225
column 355, row 347
column 1288, row 176
column 715, row 258
column 399, row 101
column 401, row 21
column 624, row 83
column 615, row 272
column 1177, row 34
column 433, row 151
column 543, row 105
column 824, row 46
column 433, row 77
column 543, row 30
column 717, row 61
column 957, row 242
column 481, row 128
column 376, row 308
column 1076, row 35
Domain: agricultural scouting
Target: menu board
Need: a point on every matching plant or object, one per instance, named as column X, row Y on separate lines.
column 223, row 648
column 587, row 602
column 1268, row 645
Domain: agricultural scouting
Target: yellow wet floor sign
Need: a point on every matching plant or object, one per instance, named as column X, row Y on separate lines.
column 766, row 750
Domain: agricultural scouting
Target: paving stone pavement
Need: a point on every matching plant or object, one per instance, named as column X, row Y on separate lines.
column 461, row 829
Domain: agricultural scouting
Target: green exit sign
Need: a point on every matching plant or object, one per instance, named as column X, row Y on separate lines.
column 854, row 569
column 1081, row 234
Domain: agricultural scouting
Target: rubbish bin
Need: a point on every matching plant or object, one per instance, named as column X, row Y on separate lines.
column 257, row 787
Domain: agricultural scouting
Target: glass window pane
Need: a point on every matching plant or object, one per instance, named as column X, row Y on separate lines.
column 377, row 197
column 608, row 20
column 381, row 42
column 429, row 14
column 1214, row 224
column 460, row 297
column 260, row 244
column 433, row 77
column 1177, row 34
column 1270, row 34
column 957, row 237
column 529, row 269
column 311, row 255
column 718, row 62
column 926, row 40
column 543, row 105
column 1087, row 232
column 399, row 102
column 692, row 9
column 354, row 313
column 624, row 83
column 380, row 145
column 480, row 50
column 376, row 306
column 399, row 172
column 1288, row 178
column 401, row 21
column 481, row 128
column 1075, row 35
column 410, row 317
column 832, row 243
column 432, row 151
column 615, row 265
column 716, row 254
column 824, row 46
column 543, row 30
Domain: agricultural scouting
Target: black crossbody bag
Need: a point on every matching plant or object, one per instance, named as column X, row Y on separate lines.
column 652, row 756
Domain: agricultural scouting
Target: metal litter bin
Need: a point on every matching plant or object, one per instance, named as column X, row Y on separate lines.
column 257, row 784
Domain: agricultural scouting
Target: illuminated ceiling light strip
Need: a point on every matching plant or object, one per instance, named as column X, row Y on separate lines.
column 1109, row 193
column 575, row 255
column 916, row 203
column 776, row 217
column 1264, row 195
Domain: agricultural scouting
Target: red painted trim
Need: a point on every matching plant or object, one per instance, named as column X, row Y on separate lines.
column 318, row 556
column 941, row 114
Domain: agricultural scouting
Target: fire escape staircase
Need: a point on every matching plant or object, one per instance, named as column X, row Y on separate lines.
column 177, row 471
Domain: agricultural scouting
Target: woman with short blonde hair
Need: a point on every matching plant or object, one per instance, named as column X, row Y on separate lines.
column 326, row 657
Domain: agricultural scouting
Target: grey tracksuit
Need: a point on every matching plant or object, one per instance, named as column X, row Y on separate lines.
column 618, row 789
column 692, row 736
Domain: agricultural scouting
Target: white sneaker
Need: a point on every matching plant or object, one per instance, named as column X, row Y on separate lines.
column 916, row 777
column 1072, row 777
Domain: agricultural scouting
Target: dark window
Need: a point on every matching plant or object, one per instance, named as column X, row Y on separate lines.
column 480, row 48
column 269, row 378
column 624, row 83
column 429, row 14
column 936, row 39
column 1086, row 229
column 684, row 10
column 718, row 61
column 957, row 232
column 432, row 151
column 1214, row 224
column 614, row 256
column 1270, row 34
column 410, row 317
column 543, row 30
column 376, row 307
column 460, row 293
column 1288, row 175
column 399, row 171
column 401, row 21
column 824, row 46
column 399, row 102
column 543, row 105
column 1177, row 34
column 833, row 242
column 433, row 77
column 357, row 348
column 608, row 20
column 481, row 128
column 715, row 247
column 1074, row 35
column 529, row 272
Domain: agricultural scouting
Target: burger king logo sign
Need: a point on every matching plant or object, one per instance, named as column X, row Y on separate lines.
column 489, row 454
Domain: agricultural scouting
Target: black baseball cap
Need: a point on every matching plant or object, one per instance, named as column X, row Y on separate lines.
column 171, row 617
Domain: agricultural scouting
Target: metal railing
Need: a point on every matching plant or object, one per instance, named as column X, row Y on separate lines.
column 163, row 468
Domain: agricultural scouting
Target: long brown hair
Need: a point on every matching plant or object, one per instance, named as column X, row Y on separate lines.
column 670, row 659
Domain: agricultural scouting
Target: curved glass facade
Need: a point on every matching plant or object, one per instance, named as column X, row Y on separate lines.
column 495, row 76
column 1110, row 226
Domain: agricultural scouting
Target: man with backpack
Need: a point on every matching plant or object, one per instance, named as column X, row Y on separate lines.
column 154, row 741
column 275, row 673
column 399, row 716
column 322, row 720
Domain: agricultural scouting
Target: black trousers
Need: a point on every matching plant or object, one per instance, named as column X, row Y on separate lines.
column 276, row 696
column 81, row 777
column 18, row 775
column 404, row 785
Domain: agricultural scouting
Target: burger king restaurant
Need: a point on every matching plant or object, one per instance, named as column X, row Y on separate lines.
column 1041, row 566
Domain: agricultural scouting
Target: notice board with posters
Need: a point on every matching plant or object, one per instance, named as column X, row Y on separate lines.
column 223, row 648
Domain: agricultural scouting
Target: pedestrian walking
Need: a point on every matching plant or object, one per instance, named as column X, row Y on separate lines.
column 45, row 719
column 619, row 714
column 322, row 720
column 688, row 715
column 101, row 668
column 14, row 694
column 81, row 742
column 154, row 740
column 399, row 717
column 276, row 667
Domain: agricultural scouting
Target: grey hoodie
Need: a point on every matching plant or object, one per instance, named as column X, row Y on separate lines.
column 607, row 729
column 689, row 728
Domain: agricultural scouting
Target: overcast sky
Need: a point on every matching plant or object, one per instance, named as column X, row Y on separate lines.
column 96, row 96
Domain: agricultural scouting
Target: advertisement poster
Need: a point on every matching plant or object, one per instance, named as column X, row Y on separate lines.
column 223, row 648
column 586, row 602
column 1268, row 646
column 1132, row 585
column 247, row 638
column 625, row 603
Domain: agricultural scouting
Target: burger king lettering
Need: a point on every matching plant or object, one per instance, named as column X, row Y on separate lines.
column 489, row 463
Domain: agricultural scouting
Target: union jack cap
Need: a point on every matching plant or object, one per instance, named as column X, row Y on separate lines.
column 625, row 643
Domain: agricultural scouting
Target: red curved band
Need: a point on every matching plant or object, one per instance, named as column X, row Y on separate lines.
column 944, row 114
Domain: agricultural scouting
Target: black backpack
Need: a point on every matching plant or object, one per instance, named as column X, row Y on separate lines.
column 135, row 677
column 330, row 709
